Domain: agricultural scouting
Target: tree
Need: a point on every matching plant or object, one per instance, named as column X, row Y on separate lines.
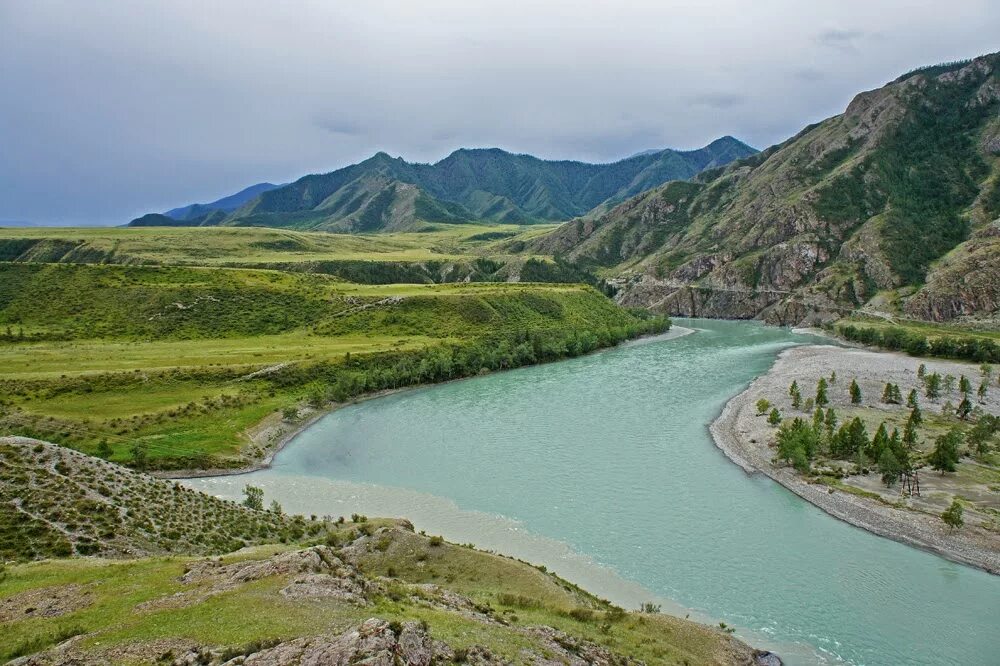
column 889, row 395
column 985, row 370
column 793, row 391
column 821, row 399
column 275, row 507
column 290, row 413
column 833, row 377
column 253, row 497
column 104, row 450
column 911, row 399
column 818, row 420
column 952, row 516
column 774, row 418
column 139, row 456
column 944, row 457
column 879, row 443
column 964, row 408
column 830, row 421
column 797, row 443
column 921, row 372
column 932, row 382
column 983, row 388
column 980, row 436
column 762, row 406
column 889, row 467
column 855, row 392
column 964, row 385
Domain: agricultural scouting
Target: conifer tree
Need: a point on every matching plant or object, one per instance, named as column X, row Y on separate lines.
column 964, row 408
column 952, row 516
column 964, row 385
column 793, row 391
column 983, row 388
column 855, row 392
column 821, row 399
column 944, row 457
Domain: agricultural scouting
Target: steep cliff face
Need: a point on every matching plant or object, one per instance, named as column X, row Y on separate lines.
column 897, row 195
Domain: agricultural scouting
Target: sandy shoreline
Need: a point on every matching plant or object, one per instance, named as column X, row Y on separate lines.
column 273, row 434
column 744, row 437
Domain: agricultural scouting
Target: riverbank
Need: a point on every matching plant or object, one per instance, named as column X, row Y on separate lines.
column 274, row 433
column 745, row 437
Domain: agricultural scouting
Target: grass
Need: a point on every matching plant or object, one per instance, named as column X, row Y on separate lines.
column 519, row 593
column 53, row 359
column 217, row 246
column 929, row 330
column 163, row 357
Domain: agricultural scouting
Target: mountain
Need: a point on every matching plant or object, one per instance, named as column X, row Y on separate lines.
column 895, row 202
column 225, row 204
column 389, row 194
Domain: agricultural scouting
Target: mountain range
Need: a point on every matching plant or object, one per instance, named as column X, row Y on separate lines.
column 384, row 193
column 893, row 205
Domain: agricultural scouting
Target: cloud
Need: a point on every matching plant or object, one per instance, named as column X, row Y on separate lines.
column 118, row 108
column 719, row 100
column 841, row 39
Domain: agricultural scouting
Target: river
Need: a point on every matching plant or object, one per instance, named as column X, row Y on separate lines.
column 602, row 469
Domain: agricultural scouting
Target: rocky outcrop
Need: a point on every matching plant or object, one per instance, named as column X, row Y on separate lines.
column 826, row 221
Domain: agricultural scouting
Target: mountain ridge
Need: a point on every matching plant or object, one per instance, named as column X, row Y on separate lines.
column 383, row 193
column 895, row 201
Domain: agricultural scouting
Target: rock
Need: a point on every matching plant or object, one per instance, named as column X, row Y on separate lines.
column 765, row 658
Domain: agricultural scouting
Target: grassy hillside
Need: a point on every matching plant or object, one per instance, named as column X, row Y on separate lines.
column 895, row 196
column 177, row 367
column 317, row 579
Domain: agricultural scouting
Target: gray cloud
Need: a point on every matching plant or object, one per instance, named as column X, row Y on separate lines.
column 116, row 108
column 841, row 39
column 719, row 100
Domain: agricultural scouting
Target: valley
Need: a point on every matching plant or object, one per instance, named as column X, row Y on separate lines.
column 200, row 409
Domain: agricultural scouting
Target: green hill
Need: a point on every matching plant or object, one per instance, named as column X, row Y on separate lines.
column 892, row 204
column 349, row 590
column 390, row 194
column 175, row 367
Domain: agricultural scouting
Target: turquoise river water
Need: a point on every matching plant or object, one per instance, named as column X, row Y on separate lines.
column 602, row 469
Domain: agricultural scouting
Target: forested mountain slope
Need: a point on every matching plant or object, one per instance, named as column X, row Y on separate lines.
column 389, row 194
column 897, row 200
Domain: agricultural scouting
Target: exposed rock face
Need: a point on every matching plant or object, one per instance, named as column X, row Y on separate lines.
column 374, row 642
column 818, row 226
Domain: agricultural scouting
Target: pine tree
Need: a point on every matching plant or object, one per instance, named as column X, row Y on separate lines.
column 253, row 497
column 793, row 391
column 983, row 388
column 887, row 394
column 944, row 457
column 879, row 442
column 889, row 467
column 855, row 392
column 952, row 516
column 830, row 421
column 833, row 377
column 762, row 406
column 964, row 385
column 911, row 399
column 818, row 420
column 921, row 372
column 964, row 408
column 821, row 399
column 933, row 385
column 774, row 418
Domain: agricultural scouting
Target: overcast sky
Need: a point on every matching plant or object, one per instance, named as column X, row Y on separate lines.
column 109, row 109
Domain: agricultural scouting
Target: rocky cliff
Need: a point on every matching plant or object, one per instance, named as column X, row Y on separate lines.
column 897, row 199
